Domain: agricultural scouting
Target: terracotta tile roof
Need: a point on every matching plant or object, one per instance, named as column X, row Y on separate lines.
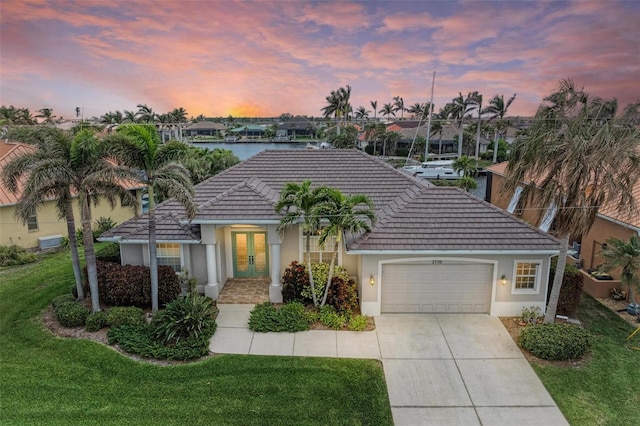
column 9, row 151
column 412, row 213
column 608, row 210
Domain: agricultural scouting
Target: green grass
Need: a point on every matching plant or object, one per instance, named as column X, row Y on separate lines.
column 50, row 380
column 606, row 391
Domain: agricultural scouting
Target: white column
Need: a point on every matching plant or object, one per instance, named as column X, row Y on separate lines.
column 275, row 289
column 212, row 288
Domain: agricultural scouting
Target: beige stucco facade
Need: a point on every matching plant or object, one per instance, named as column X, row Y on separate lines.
column 12, row 231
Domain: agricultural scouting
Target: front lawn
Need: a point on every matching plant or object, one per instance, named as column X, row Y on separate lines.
column 50, row 380
column 606, row 389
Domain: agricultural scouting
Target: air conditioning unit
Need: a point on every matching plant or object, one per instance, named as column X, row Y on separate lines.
column 576, row 247
column 49, row 242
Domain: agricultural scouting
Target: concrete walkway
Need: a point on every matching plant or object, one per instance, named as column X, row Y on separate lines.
column 440, row 369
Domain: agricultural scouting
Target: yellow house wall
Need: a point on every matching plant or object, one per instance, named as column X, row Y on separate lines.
column 12, row 231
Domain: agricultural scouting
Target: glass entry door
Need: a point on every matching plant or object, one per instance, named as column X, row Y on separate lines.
column 250, row 256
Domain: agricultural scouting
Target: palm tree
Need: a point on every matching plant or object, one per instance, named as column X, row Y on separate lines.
column 362, row 113
column 338, row 105
column 580, row 156
column 145, row 114
column 129, row 117
column 61, row 166
column 387, row 110
column 476, row 104
column 353, row 214
column 374, row 106
column 620, row 254
column 47, row 115
column 179, row 115
column 466, row 165
column 300, row 203
column 139, row 148
column 398, row 105
column 498, row 110
column 436, row 129
column 457, row 110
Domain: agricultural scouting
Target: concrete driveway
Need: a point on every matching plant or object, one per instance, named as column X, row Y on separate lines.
column 441, row 369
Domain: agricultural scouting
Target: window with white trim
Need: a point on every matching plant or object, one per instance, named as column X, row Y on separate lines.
column 526, row 276
column 318, row 254
column 169, row 255
column 32, row 220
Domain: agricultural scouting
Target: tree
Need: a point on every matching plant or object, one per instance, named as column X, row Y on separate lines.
column 580, row 156
column 204, row 163
column 300, row 203
column 129, row 117
column 467, row 183
column 145, row 114
column 13, row 115
column 338, row 105
column 398, row 105
column 346, row 139
column 374, row 106
column 476, row 103
column 64, row 164
column 138, row 148
column 47, row 115
column 419, row 110
column 457, row 110
column 498, row 110
column 619, row 254
column 387, row 110
column 466, row 165
column 361, row 113
column 352, row 214
column 179, row 115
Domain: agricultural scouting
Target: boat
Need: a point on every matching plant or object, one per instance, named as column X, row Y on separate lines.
column 438, row 170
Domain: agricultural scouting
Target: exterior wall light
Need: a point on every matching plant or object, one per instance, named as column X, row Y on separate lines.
column 503, row 279
column 372, row 280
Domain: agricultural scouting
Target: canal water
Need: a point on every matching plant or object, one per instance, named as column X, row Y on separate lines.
column 246, row 150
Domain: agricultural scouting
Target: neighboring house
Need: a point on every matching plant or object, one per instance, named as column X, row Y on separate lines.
column 296, row 126
column 610, row 222
column 249, row 131
column 432, row 249
column 204, row 128
column 44, row 228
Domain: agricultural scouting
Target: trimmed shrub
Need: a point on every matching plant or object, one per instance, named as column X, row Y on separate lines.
column 64, row 298
column 184, row 318
column 15, row 255
column 290, row 317
column 139, row 340
column 294, row 280
column 555, row 341
column 109, row 253
column 125, row 315
column 330, row 318
column 358, row 323
column 71, row 314
column 320, row 276
column 96, row 321
column 128, row 285
column 103, row 224
column 343, row 295
column 571, row 290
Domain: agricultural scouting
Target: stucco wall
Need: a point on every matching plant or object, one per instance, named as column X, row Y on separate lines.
column 503, row 301
column 131, row 254
column 501, row 199
column 599, row 233
column 12, row 231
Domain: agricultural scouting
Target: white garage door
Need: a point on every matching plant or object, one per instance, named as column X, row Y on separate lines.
column 411, row 287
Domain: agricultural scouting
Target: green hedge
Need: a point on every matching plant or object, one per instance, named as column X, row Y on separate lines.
column 71, row 314
column 555, row 341
column 290, row 317
column 125, row 315
column 14, row 255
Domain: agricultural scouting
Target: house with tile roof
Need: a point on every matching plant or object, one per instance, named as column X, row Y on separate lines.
column 610, row 222
column 431, row 249
column 44, row 228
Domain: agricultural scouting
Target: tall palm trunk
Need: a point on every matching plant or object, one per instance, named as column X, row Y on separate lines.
column 89, row 253
column 334, row 257
column 153, row 251
column 552, row 307
column 495, row 147
column 478, row 139
column 73, row 246
column 310, row 272
column 460, row 139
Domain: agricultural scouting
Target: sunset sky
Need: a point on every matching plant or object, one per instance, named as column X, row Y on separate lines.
column 265, row 58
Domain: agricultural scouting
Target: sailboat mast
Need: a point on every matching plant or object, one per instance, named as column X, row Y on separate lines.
column 426, row 148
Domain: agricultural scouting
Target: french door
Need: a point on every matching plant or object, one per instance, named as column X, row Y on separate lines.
column 250, row 255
